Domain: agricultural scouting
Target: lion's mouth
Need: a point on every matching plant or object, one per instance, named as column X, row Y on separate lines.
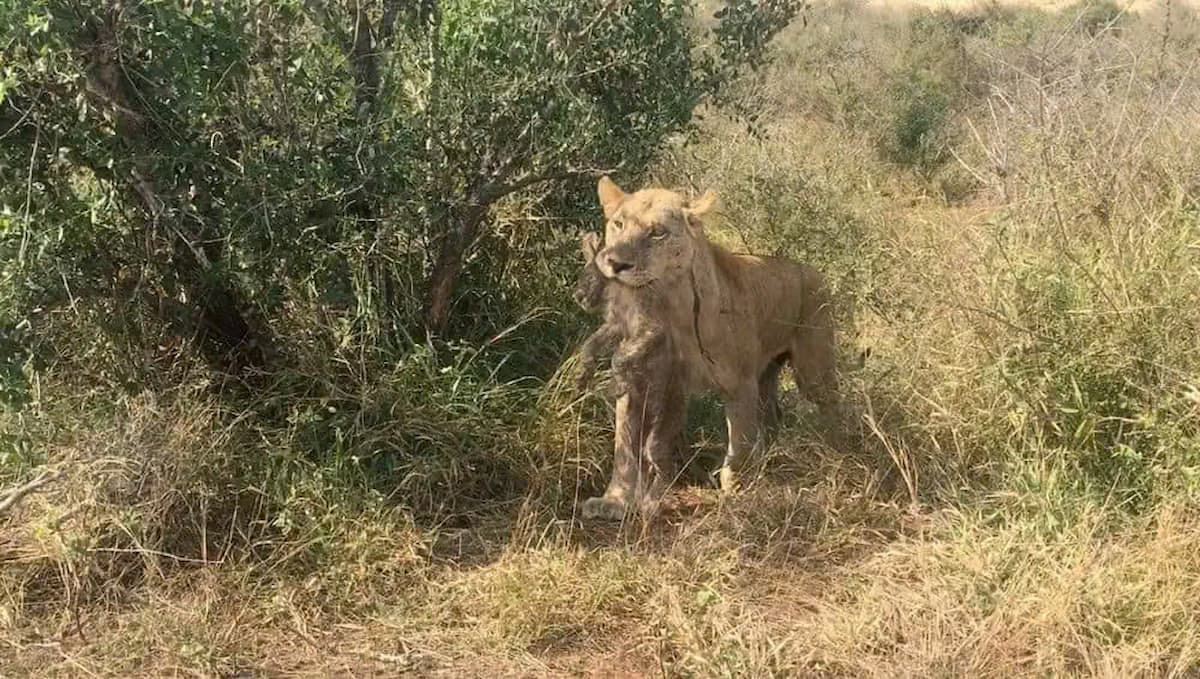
column 627, row 275
column 633, row 279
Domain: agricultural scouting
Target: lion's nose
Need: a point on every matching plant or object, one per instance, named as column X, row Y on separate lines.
column 617, row 266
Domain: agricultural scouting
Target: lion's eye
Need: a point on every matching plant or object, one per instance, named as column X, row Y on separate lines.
column 658, row 233
column 617, row 224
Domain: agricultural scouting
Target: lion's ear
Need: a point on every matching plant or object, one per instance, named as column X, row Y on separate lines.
column 703, row 204
column 611, row 196
column 590, row 245
column 697, row 208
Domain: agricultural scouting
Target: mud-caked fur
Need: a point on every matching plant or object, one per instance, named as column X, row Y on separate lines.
column 590, row 288
column 645, row 380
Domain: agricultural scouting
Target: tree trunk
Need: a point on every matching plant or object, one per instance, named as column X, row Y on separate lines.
column 458, row 236
column 442, row 281
column 440, row 286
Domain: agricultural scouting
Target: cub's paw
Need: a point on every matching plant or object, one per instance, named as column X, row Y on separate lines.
column 582, row 382
column 604, row 509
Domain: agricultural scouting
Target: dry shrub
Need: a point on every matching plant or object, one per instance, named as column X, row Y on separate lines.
column 176, row 483
column 1003, row 600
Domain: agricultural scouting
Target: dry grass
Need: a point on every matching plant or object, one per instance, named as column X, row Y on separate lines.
column 1021, row 502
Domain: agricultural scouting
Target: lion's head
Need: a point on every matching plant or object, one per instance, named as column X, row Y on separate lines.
column 650, row 235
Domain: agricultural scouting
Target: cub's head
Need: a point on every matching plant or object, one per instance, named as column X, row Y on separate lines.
column 649, row 235
column 589, row 287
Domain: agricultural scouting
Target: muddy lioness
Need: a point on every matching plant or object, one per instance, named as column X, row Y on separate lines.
column 732, row 321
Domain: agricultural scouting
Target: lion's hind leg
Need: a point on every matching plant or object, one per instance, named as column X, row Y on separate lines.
column 742, row 419
column 770, row 411
column 814, row 365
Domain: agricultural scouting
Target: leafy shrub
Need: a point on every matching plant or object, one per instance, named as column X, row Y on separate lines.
column 245, row 151
column 273, row 204
column 923, row 109
column 935, row 75
column 1093, row 390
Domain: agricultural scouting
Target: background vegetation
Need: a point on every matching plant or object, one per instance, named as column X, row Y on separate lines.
column 284, row 302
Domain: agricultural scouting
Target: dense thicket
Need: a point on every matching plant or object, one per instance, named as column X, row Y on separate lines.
column 192, row 179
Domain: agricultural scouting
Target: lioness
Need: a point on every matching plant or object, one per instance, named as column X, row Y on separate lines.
column 589, row 294
column 732, row 319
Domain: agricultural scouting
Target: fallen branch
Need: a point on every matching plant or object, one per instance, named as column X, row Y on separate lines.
column 12, row 496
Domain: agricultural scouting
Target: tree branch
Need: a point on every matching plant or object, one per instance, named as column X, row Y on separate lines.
column 493, row 191
column 12, row 496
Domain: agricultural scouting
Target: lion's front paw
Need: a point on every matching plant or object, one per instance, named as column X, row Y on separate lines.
column 604, row 509
column 729, row 480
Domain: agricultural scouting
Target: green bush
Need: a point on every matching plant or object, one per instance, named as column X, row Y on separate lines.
column 934, row 77
column 922, row 113
column 192, row 173
column 1096, row 390
column 308, row 262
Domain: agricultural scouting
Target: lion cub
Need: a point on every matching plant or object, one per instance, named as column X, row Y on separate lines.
column 635, row 340
column 589, row 295
column 646, row 380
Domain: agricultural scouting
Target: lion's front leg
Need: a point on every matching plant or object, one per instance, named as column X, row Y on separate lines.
column 665, row 429
column 742, row 420
column 623, row 487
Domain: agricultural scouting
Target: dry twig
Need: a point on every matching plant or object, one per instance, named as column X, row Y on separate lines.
column 12, row 496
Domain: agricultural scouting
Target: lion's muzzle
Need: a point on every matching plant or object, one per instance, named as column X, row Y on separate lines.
column 612, row 264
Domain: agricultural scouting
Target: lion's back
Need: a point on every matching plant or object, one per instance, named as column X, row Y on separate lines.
column 771, row 287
